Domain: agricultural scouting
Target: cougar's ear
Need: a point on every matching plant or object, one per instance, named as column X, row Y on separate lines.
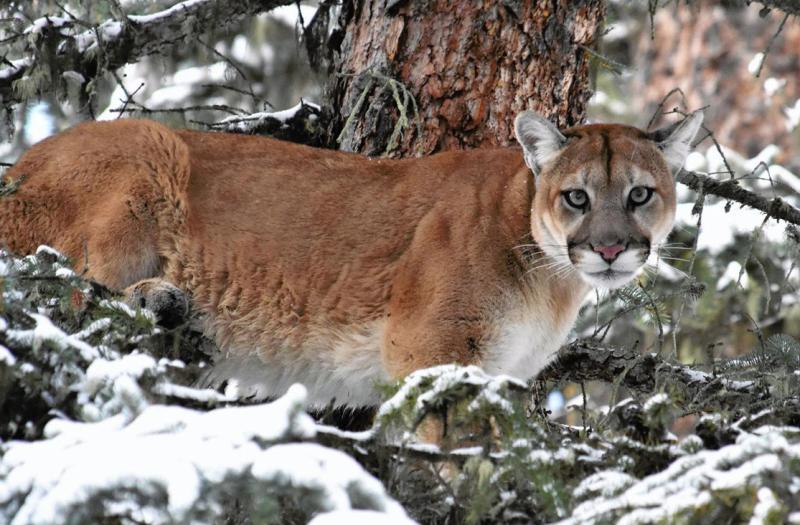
column 675, row 140
column 541, row 141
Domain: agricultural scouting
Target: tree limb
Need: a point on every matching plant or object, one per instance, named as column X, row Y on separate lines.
column 730, row 189
column 585, row 360
column 115, row 43
column 305, row 123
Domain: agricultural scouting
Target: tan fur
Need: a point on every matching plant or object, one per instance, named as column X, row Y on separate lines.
column 316, row 262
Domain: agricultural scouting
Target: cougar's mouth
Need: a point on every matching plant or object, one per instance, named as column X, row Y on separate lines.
column 608, row 278
column 610, row 274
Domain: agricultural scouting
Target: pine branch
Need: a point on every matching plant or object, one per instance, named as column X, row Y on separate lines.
column 115, row 43
column 731, row 190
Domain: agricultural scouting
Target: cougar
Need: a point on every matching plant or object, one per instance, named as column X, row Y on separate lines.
column 341, row 272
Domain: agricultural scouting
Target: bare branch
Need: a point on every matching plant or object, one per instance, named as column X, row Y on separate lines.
column 730, row 189
column 585, row 360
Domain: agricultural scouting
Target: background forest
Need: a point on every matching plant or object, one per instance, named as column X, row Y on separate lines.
column 677, row 400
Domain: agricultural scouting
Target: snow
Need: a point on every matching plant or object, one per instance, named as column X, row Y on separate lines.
column 606, row 483
column 620, row 31
column 199, row 75
column 6, row 357
column 288, row 14
column 169, row 96
column 755, row 63
column 243, row 124
column 16, row 65
column 616, row 107
column 548, row 457
column 94, row 327
column 556, row 403
column 180, row 454
column 46, row 21
column 43, row 249
column 87, row 40
column 180, row 7
column 444, row 377
column 719, row 227
column 244, row 51
column 655, row 402
column 45, row 332
column 731, row 275
column 104, row 372
column 333, row 478
column 690, row 482
column 123, row 308
column 364, row 435
column 786, row 177
column 703, row 377
column 467, row 451
column 792, row 115
column 359, row 517
column 64, row 273
column 202, row 395
column 772, row 85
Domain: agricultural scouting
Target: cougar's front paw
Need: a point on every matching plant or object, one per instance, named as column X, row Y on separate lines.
column 168, row 302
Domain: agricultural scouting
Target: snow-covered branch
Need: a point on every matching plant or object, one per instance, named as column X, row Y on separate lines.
column 114, row 43
column 304, row 123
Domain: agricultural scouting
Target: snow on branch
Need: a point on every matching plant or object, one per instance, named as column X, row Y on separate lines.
column 304, row 123
column 744, row 471
column 113, row 43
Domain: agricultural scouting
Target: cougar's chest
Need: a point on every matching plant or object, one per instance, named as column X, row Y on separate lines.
column 528, row 332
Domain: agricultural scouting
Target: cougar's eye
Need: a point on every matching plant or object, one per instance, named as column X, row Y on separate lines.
column 639, row 195
column 578, row 199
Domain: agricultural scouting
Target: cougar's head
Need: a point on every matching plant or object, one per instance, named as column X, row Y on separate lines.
column 605, row 194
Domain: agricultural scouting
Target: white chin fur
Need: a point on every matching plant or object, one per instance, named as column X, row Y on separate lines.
column 598, row 273
column 610, row 279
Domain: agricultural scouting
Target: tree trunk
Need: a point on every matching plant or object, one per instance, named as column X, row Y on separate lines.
column 413, row 78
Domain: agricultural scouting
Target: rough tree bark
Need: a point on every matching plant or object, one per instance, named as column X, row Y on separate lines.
column 469, row 66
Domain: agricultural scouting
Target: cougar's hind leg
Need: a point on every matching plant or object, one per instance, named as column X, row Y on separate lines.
column 109, row 195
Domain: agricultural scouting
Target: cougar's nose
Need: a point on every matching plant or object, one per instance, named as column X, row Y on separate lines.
column 609, row 253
